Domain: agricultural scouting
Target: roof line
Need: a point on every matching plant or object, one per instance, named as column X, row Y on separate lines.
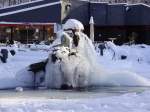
column 25, row 23
column 21, row 4
column 84, row 0
column 127, row 4
column 118, row 4
column 139, row 4
column 28, row 9
column 99, row 2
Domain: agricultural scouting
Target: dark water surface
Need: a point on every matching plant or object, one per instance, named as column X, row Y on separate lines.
column 92, row 92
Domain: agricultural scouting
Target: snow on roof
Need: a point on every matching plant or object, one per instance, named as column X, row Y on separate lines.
column 22, row 23
column 138, row 4
column 28, row 9
column 98, row 2
column 92, row 1
column 73, row 24
column 117, row 4
column 85, row 0
column 21, row 4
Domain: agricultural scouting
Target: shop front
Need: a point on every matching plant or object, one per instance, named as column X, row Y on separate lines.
column 26, row 33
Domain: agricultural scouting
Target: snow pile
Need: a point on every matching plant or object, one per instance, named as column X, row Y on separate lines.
column 14, row 73
column 138, row 53
column 39, row 47
column 73, row 24
column 76, row 71
column 67, row 70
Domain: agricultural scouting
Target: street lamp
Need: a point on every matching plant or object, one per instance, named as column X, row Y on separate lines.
column 92, row 29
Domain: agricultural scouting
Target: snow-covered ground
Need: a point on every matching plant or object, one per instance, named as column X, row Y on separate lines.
column 125, row 103
column 137, row 61
column 16, row 64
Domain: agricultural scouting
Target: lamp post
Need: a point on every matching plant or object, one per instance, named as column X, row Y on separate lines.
column 27, row 28
column 8, row 31
column 92, row 29
column 36, row 36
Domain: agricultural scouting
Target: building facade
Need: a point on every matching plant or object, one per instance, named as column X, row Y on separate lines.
column 123, row 22
column 27, row 22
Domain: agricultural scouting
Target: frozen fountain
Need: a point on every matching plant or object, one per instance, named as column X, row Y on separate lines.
column 79, row 67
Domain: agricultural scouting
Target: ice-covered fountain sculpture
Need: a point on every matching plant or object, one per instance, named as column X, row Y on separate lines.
column 75, row 64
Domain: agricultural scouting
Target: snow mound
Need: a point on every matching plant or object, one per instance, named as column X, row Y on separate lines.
column 75, row 70
column 73, row 24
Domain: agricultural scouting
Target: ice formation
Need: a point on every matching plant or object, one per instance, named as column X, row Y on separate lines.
column 81, row 69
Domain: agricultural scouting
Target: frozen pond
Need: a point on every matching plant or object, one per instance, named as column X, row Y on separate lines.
column 96, row 92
